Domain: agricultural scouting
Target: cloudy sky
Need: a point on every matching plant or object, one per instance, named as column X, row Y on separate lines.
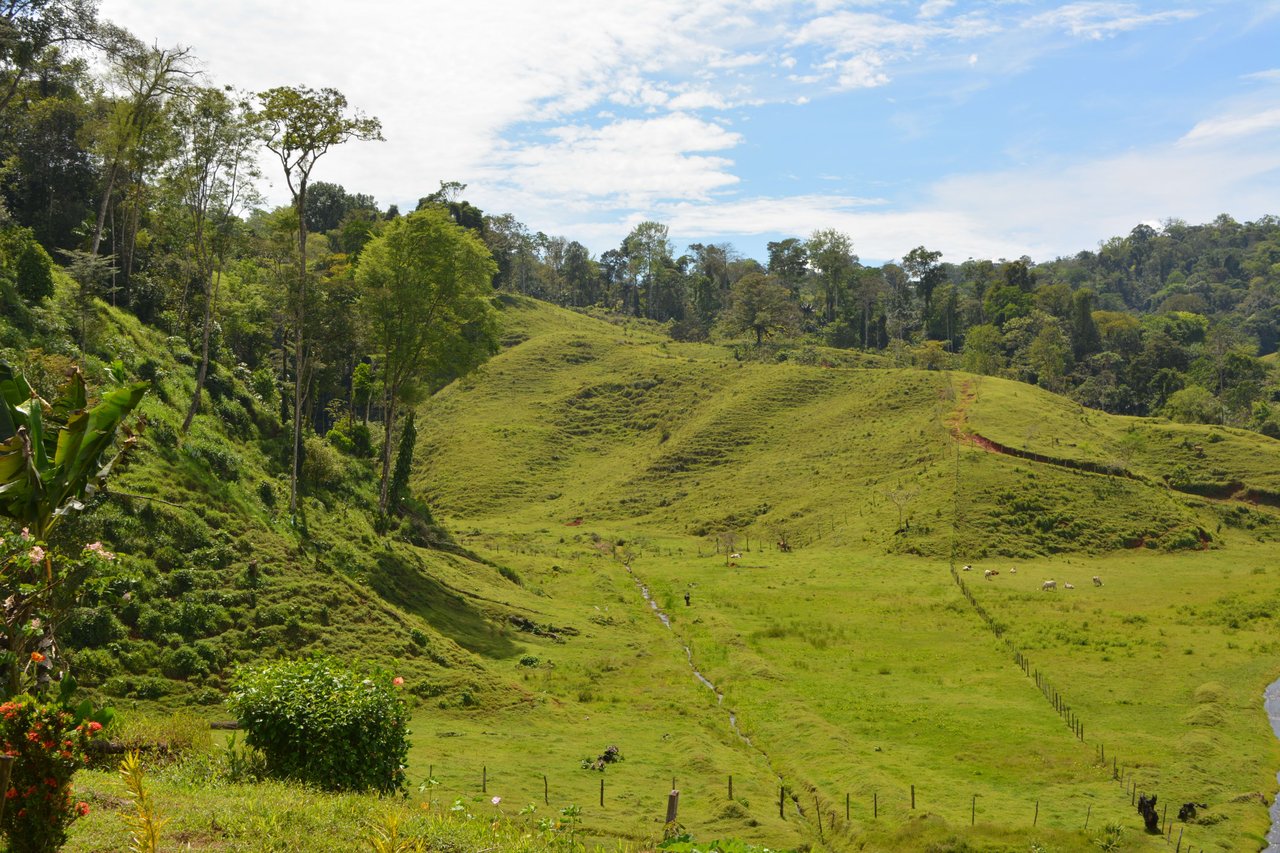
column 982, row 128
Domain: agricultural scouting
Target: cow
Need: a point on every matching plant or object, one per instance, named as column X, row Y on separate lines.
column 735, row 556
column 1014, row 570
column 989, row 573
column 967, row 568
column 1069, row 586
column 1097, row 581
column 1048, row 585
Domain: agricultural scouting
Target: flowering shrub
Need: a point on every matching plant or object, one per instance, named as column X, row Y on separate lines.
column 48, row 743
column 38, row 587
column 321, row 722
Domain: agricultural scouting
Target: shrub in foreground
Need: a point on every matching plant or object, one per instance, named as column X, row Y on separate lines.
column 324, row 723
column 47, row 742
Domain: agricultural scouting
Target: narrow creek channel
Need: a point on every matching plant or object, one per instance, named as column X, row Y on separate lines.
column 1271, row 702
column 688, row 653
column 707, row 683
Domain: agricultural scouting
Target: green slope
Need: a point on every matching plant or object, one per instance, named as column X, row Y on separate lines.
column 853, row 664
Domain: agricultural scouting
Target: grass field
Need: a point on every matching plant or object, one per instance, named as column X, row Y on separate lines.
column 589, row 459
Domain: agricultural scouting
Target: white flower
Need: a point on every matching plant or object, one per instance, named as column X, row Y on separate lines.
column 497, row 800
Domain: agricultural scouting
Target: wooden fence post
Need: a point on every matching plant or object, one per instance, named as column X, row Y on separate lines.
column 1086, row 816
column 546, row 791
column 913, row 796
column 602, row 791
column 846, row 808
column 673, row 805
column 1036, row 819
column 875, row 804
column 973, row 811
column 781, row 794
column 484, row 780
column 731, row 786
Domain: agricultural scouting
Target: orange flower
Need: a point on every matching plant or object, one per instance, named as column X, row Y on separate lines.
column 82, row 808
column 37, row 657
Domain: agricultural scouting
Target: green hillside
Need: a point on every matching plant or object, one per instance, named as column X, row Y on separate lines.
column 588, row 448
column 590, row 462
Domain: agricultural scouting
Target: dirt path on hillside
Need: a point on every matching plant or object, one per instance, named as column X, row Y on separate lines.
column 1230, row 493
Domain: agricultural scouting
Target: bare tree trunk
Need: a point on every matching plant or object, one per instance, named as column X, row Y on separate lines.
column 203, row 372
column 388, row 426
column 102, row 208
column 299, row 353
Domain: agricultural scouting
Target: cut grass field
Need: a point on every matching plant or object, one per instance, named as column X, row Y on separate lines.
column 852, row 666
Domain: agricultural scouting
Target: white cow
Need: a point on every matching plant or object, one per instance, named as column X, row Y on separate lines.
column 967, row 568
column 1050, row 584
column 1069, row 586
column 1014, row 570
column 989, row 573
column 1097, row 581
column 735, row 556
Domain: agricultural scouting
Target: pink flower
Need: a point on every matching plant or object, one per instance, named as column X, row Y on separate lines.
column 102, row 553
column 496, row 800
column 26, row 534
column 36, row 554
column 397, row 681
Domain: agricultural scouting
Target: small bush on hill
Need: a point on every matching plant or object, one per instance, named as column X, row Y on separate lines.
column 325, row 723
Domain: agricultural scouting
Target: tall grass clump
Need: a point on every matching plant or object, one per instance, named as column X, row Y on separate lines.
column 325, row 723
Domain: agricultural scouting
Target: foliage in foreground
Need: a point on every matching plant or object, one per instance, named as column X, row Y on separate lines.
column 324, row 723
column 47, row 742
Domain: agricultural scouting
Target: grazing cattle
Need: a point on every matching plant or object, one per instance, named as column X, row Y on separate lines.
column 1097, row 581
column 1047, row 585
column 1069, row 586
column 967, row 568
column 1014, row 570
column 735, row 556
column 989, row 573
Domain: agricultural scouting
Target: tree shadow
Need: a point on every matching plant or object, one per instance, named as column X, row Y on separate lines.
column 405, row 585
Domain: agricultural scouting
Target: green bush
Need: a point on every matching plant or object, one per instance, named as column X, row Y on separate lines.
column 325, row 723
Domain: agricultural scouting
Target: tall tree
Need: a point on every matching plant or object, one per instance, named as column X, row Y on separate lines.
column 426, row 291
column 925, row 272
column 788, row 260
column 831, row 257
column 648, row 249
column 300, row 125
column 146, row 78
column 762, row 304
column 213, row 178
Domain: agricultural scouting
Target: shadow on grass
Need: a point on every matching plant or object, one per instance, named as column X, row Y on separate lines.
column 406, row 586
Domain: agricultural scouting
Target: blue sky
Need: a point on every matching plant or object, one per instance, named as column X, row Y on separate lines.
column 987, row 128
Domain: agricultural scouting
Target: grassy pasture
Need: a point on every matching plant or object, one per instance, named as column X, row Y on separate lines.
column 851, row 666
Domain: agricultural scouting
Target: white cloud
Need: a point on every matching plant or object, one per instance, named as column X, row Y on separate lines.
column 1228, row 126
column 627, row 163
column 934, row 8
column 1101, row 19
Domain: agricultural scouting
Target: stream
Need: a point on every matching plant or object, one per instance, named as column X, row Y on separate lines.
column 1271, row 701
column 688, row 653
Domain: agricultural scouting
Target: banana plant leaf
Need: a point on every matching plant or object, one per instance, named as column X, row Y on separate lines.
column 49, row 465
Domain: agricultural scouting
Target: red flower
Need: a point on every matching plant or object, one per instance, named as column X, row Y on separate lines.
column 11, row 794
column 37, row 657
column 82, row 808
column 95, row 726
column 397, row 681
column 33, row 736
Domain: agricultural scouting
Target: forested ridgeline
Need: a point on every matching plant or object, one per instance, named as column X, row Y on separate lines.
column 130, row 168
